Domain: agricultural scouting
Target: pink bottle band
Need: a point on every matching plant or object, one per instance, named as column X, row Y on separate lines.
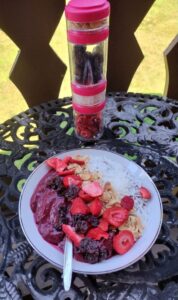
column 87, row 11
column 90, row 90
column 89, row 109
column 87, row 37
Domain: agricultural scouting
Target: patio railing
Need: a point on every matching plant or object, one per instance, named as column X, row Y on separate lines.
column 38, row 72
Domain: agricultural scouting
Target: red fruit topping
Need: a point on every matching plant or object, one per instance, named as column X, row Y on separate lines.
column 95, row 207
column 66, row 172
column 70, row 160
column 88, row 126
column 127, row 202
column 85, row 133
column 56, row 163
column 145, row 193
column 67, row 159
column 116, row 216
column 123, row 241
column 93, row 189
column 79, row 207
column 71, row 234
column 103, row 225
column 85, row 196
column 72, row 180
column 77, row 161
column 97, row 233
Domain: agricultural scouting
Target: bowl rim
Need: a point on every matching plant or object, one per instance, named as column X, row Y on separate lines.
column 58, row 266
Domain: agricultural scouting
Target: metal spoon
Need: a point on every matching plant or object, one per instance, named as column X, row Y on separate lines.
column 67, row 268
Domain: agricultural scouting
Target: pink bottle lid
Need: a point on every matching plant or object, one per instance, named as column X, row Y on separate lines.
column 87, row 37
column 89, row 109
column 90, row 90
column 87, row 11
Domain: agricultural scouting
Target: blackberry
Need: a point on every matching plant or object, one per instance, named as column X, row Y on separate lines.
column 55, row 183
column 69, row 219
column 95, row 251
column 98, row 58
column 90, row 250
column 78, row 217
column 88, row 245
column 106, row 248
column 94, row 221
column 97, row 66
column 62, row 210
column 88, row 72
column 71, row 192
column 90, row 258
column 62, row 216
column 97, row 75
column 81, row 226
column 79, row 54
column 80, row 60
column 104, row 254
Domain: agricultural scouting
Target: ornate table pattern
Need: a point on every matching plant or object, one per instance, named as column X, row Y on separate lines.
column 143, row 128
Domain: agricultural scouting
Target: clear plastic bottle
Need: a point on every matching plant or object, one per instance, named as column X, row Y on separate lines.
column 87, row 33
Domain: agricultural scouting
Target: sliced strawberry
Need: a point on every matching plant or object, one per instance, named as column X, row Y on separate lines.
column 72, row 180
column 71, row 234
column 51, row 162
column 97, row 233
column 95, row 207
column 103, row 224
column 79, row 207
column 123, row 241
column 116, row 216
column 145, row 193
column 67, row 159
column 93, row 189
column 85, row 196
column 70, row 160
column 77, row 161
column 67, row 172
column 127, row 202
column 56, row 163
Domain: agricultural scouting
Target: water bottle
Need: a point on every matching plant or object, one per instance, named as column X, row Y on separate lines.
column 87, row 34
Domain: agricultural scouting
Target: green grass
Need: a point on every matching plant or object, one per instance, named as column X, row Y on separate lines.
column 154, row 34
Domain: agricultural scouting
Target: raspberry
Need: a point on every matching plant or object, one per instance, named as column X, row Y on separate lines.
column 88, row 126
column 127, row 202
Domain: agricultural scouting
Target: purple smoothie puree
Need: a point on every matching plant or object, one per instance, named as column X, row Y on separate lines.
column 50, row 203
column 45, row 204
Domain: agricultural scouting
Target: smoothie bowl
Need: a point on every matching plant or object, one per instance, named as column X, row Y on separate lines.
column 105, row 204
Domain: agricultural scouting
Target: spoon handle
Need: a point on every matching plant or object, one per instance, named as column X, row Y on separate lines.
column 67, row 269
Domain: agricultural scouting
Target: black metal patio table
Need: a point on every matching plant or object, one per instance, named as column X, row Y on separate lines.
column 143, row 128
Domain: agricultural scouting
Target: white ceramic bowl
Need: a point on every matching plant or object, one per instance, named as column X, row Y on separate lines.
column 126, row 176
